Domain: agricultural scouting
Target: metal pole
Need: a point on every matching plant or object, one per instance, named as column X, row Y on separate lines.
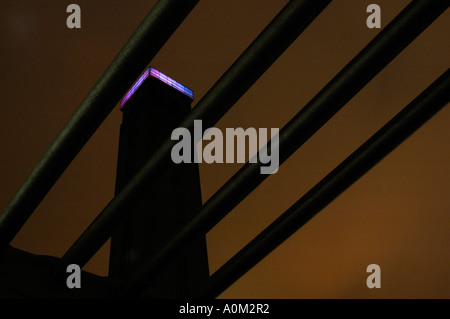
column 427, row 104
column 371, row 60
column 256, row 59
column 149, row 37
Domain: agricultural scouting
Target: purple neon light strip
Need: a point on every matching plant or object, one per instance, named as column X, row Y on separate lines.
column 135, row 87
column 160, row 76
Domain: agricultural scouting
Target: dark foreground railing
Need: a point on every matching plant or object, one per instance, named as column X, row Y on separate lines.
column 161, row 22
column 371, row 60
column 434, row 98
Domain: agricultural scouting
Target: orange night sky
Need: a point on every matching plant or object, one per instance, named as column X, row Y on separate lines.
column 396, row 216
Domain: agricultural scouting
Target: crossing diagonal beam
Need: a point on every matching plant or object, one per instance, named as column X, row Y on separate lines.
column 427, row 104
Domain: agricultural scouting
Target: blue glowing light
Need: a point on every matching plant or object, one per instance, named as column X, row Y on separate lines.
column 178, row 86
column 160, row 76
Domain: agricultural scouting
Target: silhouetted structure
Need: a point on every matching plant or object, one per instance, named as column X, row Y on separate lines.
column 153, row 107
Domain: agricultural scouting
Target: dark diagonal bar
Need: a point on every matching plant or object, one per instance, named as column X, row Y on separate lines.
column 348, row 172
column 146, row 41
column 372, row 59
column 253, row 62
